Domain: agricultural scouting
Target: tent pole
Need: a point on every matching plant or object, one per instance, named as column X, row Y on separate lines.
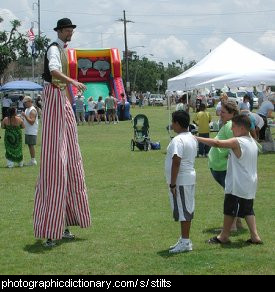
column 169, row 116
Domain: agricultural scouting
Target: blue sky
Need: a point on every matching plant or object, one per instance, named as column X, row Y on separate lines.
column 170, row 30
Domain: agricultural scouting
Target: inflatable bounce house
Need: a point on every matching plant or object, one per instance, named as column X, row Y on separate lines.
column 100, row 70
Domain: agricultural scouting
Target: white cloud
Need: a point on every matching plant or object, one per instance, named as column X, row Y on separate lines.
column 170, row 48
column 168, row 29
column 7, row 16
column 268, row 39
column 210, row 43
column 247, row 3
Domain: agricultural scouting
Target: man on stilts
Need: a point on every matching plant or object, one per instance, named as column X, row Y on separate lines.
column 60, row 197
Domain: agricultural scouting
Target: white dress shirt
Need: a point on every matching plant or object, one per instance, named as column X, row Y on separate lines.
column 53, row 56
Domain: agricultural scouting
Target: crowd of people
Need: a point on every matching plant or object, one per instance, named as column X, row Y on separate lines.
column 232, row 156
column 109, row 110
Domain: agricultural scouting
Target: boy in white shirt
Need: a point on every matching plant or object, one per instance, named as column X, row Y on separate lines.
column 241, row 179
column 181, row 177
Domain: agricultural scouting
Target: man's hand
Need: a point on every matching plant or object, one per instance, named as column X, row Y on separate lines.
column 80, row 86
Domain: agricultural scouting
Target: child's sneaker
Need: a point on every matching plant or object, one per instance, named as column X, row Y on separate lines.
column 173, row 246
column 67, row 234
column 181, row 247
column 32, row 162
column 21, row 164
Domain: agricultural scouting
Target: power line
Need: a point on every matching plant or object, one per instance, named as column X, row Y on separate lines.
column 169, row 14
column 207, row 14
column 157, row 14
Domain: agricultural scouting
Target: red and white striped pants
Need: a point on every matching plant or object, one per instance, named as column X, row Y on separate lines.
column 60, row 196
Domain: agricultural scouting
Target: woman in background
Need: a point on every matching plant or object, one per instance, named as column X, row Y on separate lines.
column 13, row 126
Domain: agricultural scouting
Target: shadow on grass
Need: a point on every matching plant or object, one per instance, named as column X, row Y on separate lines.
column 236, row 244
column 217, row 230
column 165, row 253
column 239, row 244
column 38, row 246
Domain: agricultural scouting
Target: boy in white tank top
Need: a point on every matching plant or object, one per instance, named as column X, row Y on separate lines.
column 241, row 179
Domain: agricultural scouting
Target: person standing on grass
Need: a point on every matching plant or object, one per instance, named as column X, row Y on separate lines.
column 181, row 178
column 100, row 110
column 202, row 120
column 265, row 111
column 60, row 196
column 13, row 126
column 6, row 104
column 91, row 110
column 31, row 127
column 110, row 108
column 79, row 108
column 217, row 157
column 241, row 179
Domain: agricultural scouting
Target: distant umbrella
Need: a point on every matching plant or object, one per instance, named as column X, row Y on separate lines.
column 21, row 85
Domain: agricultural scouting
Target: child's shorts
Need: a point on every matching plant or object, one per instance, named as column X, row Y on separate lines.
column 183, row 204
column 237, row 207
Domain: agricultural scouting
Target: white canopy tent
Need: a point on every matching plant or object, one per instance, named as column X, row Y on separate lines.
column 230, row 63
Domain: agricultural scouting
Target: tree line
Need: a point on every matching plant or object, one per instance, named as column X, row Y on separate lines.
column 144, row 73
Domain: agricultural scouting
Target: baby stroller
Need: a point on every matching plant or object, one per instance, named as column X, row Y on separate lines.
column 141, row 133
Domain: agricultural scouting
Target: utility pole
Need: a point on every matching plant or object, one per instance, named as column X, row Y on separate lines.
column 125, row 21
column 39, row 33
column 38, row 7
column 38, row 17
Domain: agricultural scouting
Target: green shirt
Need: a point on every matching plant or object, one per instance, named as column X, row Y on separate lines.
column 217, row 157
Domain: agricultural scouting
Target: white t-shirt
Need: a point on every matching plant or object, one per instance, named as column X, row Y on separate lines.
column 241, row 176
column 181, row 107
column 184, row 145
column 133, row 98
column 91, row 106
column 31, row 129
column 266, row 106
column 6, row 102
column 259, row 122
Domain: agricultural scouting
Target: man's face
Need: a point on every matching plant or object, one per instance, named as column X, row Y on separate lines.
column 65, row 34
column 28, row 103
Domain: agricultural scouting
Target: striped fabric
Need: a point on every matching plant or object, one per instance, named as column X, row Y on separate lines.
column 60, row 195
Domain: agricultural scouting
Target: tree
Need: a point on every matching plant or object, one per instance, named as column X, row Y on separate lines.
column 13, row 44
column 14, row 47
column 144, row 73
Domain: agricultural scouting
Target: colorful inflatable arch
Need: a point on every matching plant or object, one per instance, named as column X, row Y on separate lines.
column 99, row 69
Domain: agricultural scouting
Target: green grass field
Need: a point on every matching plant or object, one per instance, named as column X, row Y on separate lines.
column 132, row 222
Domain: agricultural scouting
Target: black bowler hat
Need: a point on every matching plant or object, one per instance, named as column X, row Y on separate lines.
column 63, row 23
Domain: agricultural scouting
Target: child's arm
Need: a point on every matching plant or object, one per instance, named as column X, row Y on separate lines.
column 174, row 173
column 230, row 143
